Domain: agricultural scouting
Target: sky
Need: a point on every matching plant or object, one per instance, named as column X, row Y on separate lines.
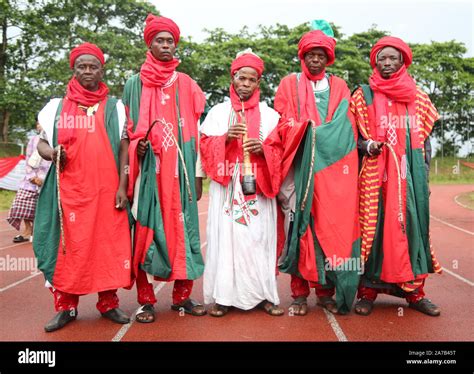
column 415, row 21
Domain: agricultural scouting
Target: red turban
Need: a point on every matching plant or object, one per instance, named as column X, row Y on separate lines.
column 155, row 24
column 250, row 60
column 86, row 49
column 390, row 41
column 317, row 38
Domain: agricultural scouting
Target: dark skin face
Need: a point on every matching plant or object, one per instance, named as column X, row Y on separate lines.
column 316, row 60
column 88, row 71
column 389, row 61
column 163, row 47
column 245, row 82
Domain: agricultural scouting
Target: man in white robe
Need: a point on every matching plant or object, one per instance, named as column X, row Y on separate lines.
column 241, row 252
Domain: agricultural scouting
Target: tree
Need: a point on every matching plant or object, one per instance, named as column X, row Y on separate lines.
column 353, row 57
column 37, row 37
column 209, row 62
column 448, row 78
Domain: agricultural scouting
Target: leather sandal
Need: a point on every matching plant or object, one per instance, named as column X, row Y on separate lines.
column 145, row 314
column 190, row 306
column 299, row 306
column 426, row 306
column 328, row 303
column 271, row 309
column 218, row 310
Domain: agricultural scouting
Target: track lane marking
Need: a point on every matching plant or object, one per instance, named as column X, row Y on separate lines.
column 20, row 281
column 452, row 273
column 124, row 329
column 335, row 326
column 14, row 245
column 459, row 203
column 451, row 225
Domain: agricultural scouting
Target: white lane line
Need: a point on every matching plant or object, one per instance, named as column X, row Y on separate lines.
column 335, row 326
column 123, row 330
column 458, row 276
column 10, row 229
column 459, row 203
column 19, row 282
column 14, row 245
column 452, row 226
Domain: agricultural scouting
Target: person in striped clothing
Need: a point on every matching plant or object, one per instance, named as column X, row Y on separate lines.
column 395, row 118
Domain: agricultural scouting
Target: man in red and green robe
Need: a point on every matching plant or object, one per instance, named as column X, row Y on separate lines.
column 319, row 193
column 395, row 119
column 164, row 107
column 82, row 243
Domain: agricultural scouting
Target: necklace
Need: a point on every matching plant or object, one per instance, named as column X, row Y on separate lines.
column 90, row 110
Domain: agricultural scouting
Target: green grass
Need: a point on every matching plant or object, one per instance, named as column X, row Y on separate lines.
column 467, row 199
column 205, row 185
column 446, row 171
column 6, row 199
column 9, row 150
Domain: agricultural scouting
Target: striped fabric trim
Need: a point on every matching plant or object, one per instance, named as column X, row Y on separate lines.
column 412, row 285
column 369, row 183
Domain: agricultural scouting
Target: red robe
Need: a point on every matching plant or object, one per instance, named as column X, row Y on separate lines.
column 184, row 103
column 335, row 228
column 97, row 235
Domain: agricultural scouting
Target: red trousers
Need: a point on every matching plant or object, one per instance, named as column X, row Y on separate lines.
column 67, row 301
column 371, row 293
column 181, row 290
column 300, row 287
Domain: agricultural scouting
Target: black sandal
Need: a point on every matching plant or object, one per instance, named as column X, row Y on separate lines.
column 366, row 305
column 144, row 313
column 20, row 239
column 190, row 306
column 426, row 306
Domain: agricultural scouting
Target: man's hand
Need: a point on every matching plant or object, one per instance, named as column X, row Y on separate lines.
column 37, row 181
column 121, row 199
column 62, row 160
column 375, row 148
column 235, row 131
column 198, row 184
column 142, row 147
column 253, row 146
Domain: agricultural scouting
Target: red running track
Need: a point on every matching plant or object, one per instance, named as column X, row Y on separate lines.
column 26, row 305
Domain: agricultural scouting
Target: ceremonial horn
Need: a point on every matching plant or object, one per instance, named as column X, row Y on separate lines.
column 248, row 180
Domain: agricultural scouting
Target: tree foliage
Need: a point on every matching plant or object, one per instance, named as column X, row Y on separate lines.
column 37, row 38
column 34, row 58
